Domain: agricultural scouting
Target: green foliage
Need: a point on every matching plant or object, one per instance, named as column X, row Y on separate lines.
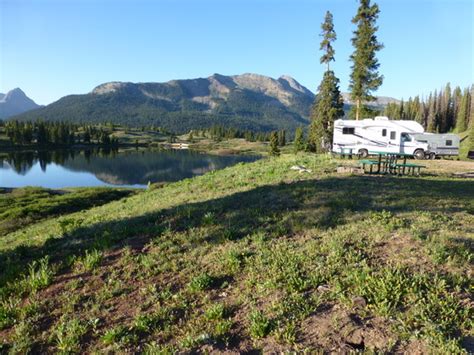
column 327, row 108
column 56, row 134
column 114, row 335
column 364, row 76
column 201, row 282
column 27, row 205
column 305, row 248
column 440, row 112
column 328, row 104
column 40, row 275
column 259, row 325
column 387, row 220
column 215, row 312
column 299, row 142
column 329, row 35
column 281, row 138
column 8, row 312
column 274, row 142
column 90, row 261
column 68, row 334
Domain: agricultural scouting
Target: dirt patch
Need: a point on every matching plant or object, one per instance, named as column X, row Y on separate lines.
column 403, row 250
column 337, row 330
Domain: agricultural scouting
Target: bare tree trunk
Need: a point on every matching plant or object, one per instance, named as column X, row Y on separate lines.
column 357, row 109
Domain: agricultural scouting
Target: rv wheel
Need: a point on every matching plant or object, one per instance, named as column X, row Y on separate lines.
column 419, row 154
column 363, row 153
column 432, row 156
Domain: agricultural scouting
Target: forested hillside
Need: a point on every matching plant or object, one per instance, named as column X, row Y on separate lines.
column 442, row 111
column 248, row 102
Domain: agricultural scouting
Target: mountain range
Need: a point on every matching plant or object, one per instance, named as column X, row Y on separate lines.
column 15, row 102
column 247, row 101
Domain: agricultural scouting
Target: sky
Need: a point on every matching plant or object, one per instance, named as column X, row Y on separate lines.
column 53, row 48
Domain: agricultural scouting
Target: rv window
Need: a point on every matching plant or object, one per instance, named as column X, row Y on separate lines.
column 348, row 130
column 449, row 142
column 384, row 132
column 393, row 135
column 405, row 137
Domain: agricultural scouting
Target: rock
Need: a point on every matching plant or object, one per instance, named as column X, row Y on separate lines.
column 324, row 288
column 359, row 301
column 350, row 170
column 300, row 168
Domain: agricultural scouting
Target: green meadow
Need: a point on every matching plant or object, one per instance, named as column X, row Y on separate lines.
column 255, row 257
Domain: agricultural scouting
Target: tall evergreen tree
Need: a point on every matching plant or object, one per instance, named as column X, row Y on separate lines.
column 462, row 116
column 457, row 97
column 431, row 117
column 329, row 36
column 298, row 143
column 274, row 150
column 328, row 104
column 282, row 138
column 365, row 77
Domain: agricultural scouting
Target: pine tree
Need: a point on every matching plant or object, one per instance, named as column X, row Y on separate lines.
column 274, row 150
column 365, row 77
column 457, row 97
column 401, row 111
column 431, row 118
column 298, row 144
column 282, row 138
column 328, row 104
column 471, row 135
column 418, row 111
column 462, row 117
column 329, row 36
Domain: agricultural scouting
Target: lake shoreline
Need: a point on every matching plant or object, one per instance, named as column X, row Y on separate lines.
column 121, row 167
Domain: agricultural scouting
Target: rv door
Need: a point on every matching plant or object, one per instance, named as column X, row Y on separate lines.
column 393, row 141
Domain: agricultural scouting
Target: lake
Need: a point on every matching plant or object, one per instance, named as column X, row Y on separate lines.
column 106, row 167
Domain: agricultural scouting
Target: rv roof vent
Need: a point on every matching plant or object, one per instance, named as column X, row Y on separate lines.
column 381, row 118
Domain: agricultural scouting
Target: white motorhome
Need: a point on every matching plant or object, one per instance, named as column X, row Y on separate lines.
column 379, row 134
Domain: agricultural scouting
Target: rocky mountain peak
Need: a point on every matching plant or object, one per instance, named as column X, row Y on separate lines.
column 15, row 102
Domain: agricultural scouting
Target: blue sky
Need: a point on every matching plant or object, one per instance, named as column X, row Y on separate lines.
column 52, row 48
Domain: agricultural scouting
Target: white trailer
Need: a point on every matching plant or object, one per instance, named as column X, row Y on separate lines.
column 379, row 134
column 441, row 144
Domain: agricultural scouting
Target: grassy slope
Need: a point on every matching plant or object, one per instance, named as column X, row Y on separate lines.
column 30, row 204
column 255, row 256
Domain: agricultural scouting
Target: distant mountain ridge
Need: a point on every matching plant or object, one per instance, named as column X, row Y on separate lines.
column 247, row 101
column 381, row 101
column 15, row 102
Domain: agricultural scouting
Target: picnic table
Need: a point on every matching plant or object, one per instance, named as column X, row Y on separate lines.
column 345, row 152
column 387, row 163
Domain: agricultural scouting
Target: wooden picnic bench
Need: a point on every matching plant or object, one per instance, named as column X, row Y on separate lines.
column 368, row 162
column 387, row 163
column 410, row 167
column 343, row 152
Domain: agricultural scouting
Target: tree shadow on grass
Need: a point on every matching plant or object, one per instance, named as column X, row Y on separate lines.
column 274, row 210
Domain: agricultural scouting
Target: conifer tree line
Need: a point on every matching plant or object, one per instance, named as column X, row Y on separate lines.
column 442, row 111
column 218, row 132
column 56, row 134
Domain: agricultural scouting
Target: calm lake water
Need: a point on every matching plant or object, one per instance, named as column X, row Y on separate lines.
column 105, row 167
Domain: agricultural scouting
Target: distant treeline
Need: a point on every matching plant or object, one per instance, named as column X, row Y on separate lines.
column 442, row 111
column 218, row 132
column 56, row 134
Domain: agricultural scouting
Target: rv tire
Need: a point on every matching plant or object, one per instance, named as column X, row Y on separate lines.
column 432, row 156
column 419, row 154
column 363, row 153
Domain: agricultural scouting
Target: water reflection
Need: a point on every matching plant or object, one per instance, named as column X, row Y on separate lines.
column 110, row 166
